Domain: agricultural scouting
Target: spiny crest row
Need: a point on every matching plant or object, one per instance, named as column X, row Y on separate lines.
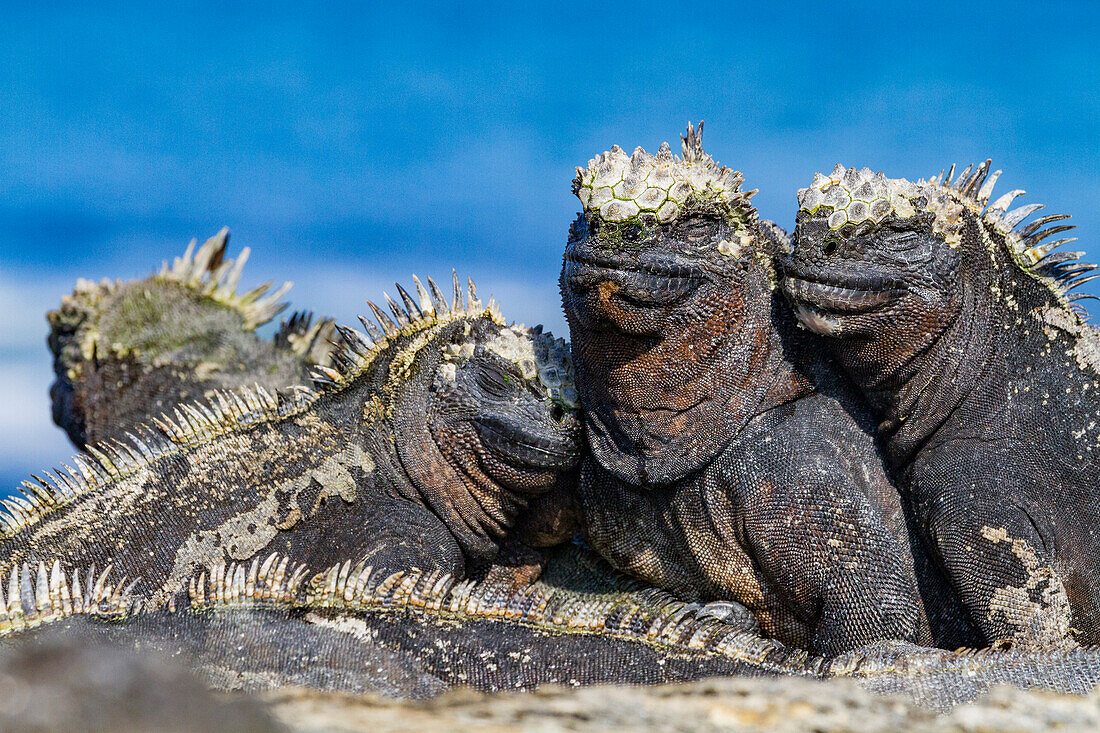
column 853, row 196
column 38, row 595
column 190, row 424
column 355, row 350
column 974, row 187
column 209, row 273
column 619, row 187
column 275, row 581
column 652, row 617
column 309, row 339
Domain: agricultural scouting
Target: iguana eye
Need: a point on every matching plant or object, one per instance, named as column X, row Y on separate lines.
column 634, row 232
column 493, row 381
column 902, row 240
column 696, row 230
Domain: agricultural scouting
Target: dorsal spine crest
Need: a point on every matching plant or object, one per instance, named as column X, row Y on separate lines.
column 210, row 274
column 226, row 411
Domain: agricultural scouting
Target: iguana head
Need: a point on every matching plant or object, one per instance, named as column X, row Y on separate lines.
column 124, row 350
column 888, row 264
column 483, row 413
column 667, row 276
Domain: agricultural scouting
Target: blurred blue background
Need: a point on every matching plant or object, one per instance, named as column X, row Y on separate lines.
column 351, row 147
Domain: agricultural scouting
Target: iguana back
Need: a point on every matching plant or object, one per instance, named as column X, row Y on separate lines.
column 419, row 447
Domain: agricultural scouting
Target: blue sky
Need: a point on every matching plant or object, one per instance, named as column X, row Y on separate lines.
column 349, row 147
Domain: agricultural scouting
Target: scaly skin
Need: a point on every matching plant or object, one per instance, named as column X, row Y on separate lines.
column 274, row 624
column 581, row 623
column 726, row 463
column 421, row 447
column 126, row 351
column 956, row 325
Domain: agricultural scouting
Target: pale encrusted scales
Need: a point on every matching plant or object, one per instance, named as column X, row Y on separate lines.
column 841, row 197
column 857, row 195
column 620, row 187
column 851, row 196
column 537, row 355
column 208, row 272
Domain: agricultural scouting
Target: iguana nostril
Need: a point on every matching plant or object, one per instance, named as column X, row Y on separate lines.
column 829, row 248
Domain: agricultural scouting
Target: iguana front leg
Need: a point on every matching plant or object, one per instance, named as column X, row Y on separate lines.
column 998, row 557
column 836, row 576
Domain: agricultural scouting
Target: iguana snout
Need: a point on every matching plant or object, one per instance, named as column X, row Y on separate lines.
column 620, row 291
column 527, row 444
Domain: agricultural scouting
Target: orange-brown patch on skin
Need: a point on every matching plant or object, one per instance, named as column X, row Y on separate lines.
column 606, row 289
column 516, row 567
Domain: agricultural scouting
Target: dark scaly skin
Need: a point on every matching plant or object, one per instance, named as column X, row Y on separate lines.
column 417, row 651
column 725, row 460
column 126, row 351
column 985, row 381
column 274, row 624
column 271, row 623
column 420, row 451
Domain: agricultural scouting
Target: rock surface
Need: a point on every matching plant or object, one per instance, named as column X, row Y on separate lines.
column 709, row 705
column 68, row 683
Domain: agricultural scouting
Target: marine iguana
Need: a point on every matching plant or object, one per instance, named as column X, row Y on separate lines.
column 955, row 321
column 581, row 623
column 274, row 623
column 420, row 447
column 725, row 461
column 127, row 351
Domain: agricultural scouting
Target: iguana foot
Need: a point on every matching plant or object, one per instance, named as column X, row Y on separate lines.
column 730, row 612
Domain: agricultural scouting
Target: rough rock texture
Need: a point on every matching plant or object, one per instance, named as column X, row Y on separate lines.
column 749, row 705
column 61, row 682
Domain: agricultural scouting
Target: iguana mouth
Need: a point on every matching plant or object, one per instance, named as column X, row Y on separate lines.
column 643, row 283
column 519, row 444
column 849, row 296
